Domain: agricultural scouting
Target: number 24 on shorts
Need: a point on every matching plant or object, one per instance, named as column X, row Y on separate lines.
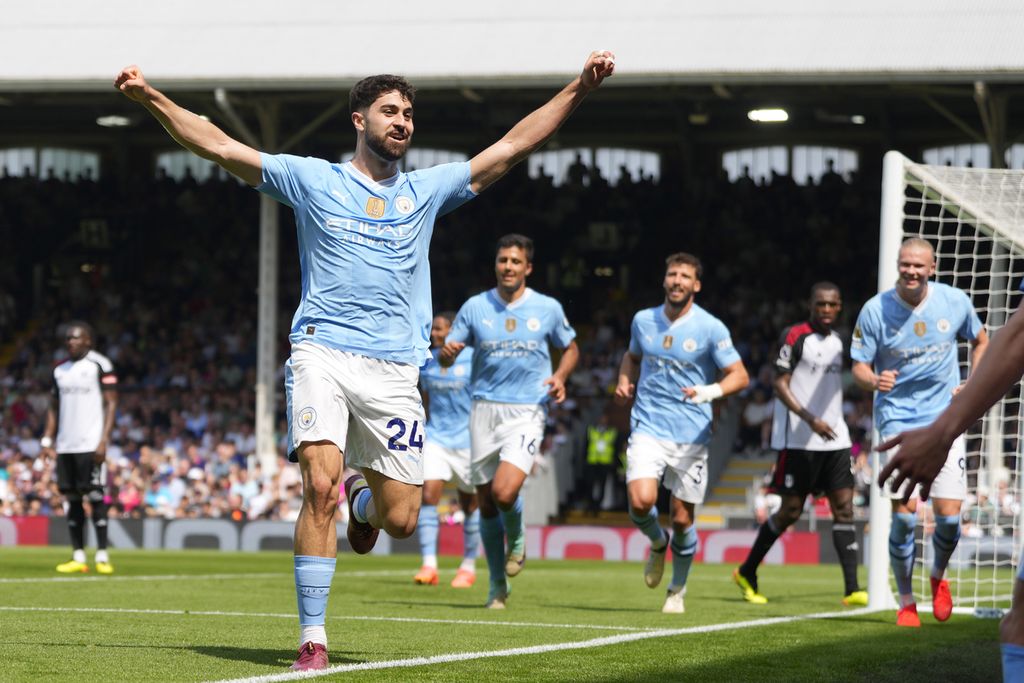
column 415, row 435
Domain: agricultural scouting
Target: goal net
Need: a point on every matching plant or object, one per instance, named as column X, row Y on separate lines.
column 975, row 220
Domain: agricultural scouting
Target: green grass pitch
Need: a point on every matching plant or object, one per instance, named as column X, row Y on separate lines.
column 209, row 616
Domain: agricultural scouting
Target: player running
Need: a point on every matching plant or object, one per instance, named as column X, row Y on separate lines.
column 905, row 349
column 676, row 351
column 812, row 441
column 361, row 330
column 446, row 456
column 510, row 328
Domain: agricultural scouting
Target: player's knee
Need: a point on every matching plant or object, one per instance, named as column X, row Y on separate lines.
column 787, row 516
column 401, row 523
column 843, row 514
column 321, row 492
column 504, row 498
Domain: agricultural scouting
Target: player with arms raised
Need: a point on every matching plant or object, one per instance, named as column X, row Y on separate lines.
column 676, row 352
column 361, row 330
column 905, row 349
column 511, row 328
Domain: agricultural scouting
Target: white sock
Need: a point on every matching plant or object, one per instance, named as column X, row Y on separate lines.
column 313, row 634
column 468, row 565
column 101, row 556
column 78, row 556
column 430, row 561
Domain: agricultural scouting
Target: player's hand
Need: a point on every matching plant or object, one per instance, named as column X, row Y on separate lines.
column 448, row 353
column 600, row 65
column 556, row 388
column 920, row 459
column 48, row 452
column 132, row 84
column 101, row 453
column 822, row 429
column 703, row 393
column 887, row 380
column 624, row 391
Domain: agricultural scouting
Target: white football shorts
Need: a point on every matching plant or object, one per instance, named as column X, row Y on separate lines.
column 510, row 432
column 684, row 465
column 951, row 483
column 441, row 463
column 370, row 408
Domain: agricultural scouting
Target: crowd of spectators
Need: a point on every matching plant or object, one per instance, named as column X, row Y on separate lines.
column 166, row 273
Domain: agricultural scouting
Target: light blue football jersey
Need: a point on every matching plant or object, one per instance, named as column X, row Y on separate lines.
column 921, row 345
column 363, row 251
column 511, row 359
column 685, row 353
column 449, row 399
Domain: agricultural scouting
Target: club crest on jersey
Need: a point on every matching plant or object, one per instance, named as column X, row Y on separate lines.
column 510, row 324
column 533, row 324
column 666, row 341
column 690, row 345
column 459, row 370
column 920, row 328
column 942, row 325
column 307, row 416
column 404, row 205
column 375, row 207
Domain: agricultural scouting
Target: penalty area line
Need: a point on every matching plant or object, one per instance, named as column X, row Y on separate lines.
column 542, row 649
column 189, row 577
column 348, row 617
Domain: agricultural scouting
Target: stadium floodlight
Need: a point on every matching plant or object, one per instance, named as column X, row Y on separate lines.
column 114, row 121
column 974, row 218
column 768, row 115
column 858, row 120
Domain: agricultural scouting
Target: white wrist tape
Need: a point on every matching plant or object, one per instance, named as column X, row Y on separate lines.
column 707, row 392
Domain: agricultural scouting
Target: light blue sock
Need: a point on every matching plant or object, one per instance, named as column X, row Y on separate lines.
column 427, row 525
column 312, row 587
column 1013, row 663
column 684, row 547
column 649, row 525
column 492, row 532
column 901, row 550
column 471, row 536
column 944, row 540
column 363, row 498
column 514, row 527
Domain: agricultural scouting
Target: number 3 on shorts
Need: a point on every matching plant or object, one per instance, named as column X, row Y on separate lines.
column 415, row 436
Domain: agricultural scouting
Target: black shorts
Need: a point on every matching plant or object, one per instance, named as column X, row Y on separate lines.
column 801, row 472
column 79, row 473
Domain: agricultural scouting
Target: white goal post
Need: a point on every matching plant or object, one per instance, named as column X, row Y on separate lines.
column 975, row 220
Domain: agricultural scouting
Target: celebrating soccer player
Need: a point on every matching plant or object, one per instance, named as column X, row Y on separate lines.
column 676, row 351
column 920, row 457
column 360, row 332
column 510, row 328
column 812, row 441
column 905, row 349
column 446, row 456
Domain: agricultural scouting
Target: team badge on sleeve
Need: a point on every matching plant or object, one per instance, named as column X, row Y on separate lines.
column 375, row 207
column 724, row 344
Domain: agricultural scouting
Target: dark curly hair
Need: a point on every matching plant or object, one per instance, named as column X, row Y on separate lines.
column 366, row 91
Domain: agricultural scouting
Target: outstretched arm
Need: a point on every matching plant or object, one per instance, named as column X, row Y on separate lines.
column 534, row 130
column 923, row 451
column 191, row 132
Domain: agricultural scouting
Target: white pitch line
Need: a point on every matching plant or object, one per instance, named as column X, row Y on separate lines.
column 540, row 649
column 186, row 577
column 347, row 617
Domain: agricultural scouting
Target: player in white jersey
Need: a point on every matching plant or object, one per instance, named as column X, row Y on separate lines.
column 510, row 328
column 921, row 457
column 78, row 425
column 360, row 331
column 812, row 440
column 905, row 349
column 680, row 358
column 447, row 398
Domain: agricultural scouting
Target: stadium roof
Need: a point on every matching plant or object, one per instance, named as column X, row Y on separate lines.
column 48, row 45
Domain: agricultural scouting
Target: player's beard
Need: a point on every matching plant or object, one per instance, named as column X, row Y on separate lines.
column 387, row 148
column 680, row 304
